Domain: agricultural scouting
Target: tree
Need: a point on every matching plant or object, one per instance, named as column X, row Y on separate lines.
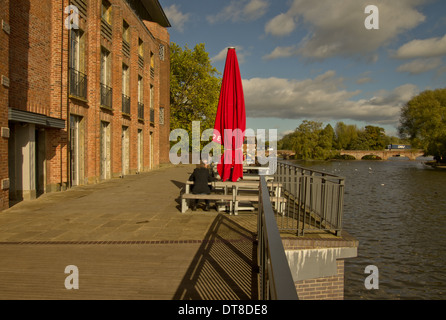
column 194, row 88
column 306, row 139
column 345, row 135
column 423, row 121
column 371, row 138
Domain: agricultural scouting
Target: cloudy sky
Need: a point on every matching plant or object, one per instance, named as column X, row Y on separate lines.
column 317, row 59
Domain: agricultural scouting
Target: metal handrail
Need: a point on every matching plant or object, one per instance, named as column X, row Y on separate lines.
column 106, row 96
column 152, row 115
column 276, row 281
column 140, row 110
column 78, row 83
column 314, row 199
column 125, row 104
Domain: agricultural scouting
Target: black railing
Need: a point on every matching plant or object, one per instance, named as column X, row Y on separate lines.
column 140, row 110
column 314, row 199
column 125, row 104
column 276, row 281
column 106, row 96
column 152, row 115
column 78, row 84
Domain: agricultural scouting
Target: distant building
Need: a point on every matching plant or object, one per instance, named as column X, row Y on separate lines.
column 84, row 93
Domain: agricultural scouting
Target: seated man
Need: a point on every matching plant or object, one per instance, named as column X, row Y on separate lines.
column 201, row 177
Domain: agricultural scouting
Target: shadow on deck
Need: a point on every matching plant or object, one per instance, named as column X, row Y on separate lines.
column 225, row 265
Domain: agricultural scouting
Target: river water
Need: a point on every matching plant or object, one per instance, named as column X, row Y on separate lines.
column 397, row 211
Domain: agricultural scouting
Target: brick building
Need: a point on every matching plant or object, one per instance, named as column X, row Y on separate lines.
column 84, row 94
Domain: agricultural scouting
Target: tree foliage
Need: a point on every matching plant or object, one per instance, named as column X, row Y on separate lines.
column 310, row 140
column 194, row 88
column 423, row 121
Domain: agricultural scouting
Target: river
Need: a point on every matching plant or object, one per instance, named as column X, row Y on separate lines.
column 397, row 211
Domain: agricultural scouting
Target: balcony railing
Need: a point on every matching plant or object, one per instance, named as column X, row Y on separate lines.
column 314, row 200
column 106, row 96
column 78, row 84
column 140, row 110
column 125, row 104
column 152, row 115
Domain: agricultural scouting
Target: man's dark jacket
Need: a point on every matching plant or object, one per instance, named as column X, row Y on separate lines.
column 201, row 177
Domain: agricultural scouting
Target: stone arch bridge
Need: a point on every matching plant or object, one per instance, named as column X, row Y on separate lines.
column 412, row 154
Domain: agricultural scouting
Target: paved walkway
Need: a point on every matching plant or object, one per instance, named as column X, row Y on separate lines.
column 128, row 240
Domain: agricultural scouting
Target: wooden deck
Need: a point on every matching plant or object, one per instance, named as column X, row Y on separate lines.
column 128, row 240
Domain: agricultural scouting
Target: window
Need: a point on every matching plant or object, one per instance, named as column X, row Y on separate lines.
column 125, row 89
column 141, row 48
column 161, row 52
column 125, row 79
column 152, row 104
column 152, row 96
column 105, row 66
column 125, row 32
column 152, row 65
column 161, row 115
column 106, row 91
column 106, row 11
column 77, row 49
column 140, row 98
column 140, row 90
column 78, row 79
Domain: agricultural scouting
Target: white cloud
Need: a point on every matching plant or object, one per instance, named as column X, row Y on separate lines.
column 245, row 10
column 281, row 25
column 364, row 80
column 336, row 28
column 281, row 52
column 323, row 98
column 419, row 66
column 176, row 17
column 427, row 48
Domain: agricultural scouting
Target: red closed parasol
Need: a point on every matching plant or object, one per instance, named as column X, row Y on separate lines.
column 230, row 121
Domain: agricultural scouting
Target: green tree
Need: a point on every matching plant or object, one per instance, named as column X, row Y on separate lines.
column 376, row 137
column 306, row 139
column 345, row 135
column 423, row 121
column 194, row 88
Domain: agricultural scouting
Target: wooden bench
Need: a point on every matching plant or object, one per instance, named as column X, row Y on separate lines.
column 211, row 197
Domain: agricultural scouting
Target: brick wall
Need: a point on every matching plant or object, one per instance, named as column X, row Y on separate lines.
column 4, row 101
column 326, row 288
column 39, row 64
column 163, row 38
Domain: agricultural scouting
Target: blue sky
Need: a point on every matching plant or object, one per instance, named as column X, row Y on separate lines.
column 316, row 60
